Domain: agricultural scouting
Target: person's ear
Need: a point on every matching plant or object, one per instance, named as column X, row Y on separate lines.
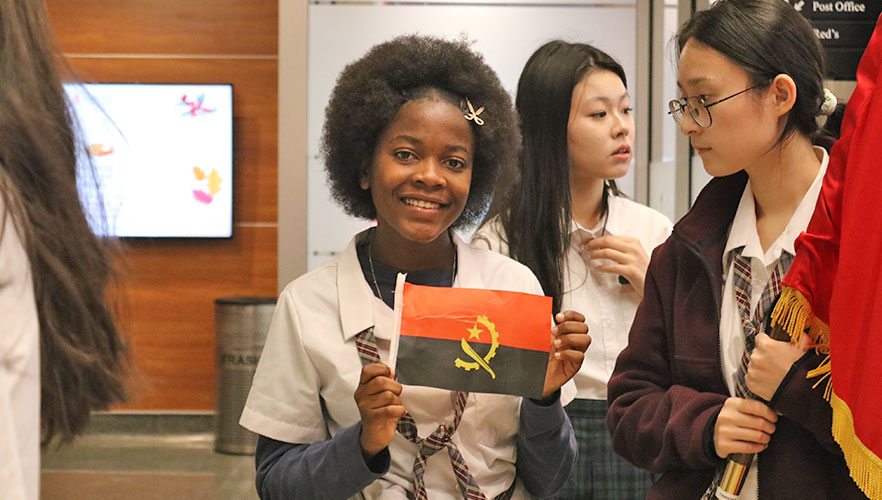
column 782, row 94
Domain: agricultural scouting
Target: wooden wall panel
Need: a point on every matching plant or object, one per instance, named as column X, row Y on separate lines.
column 167, row 304
column 167, row 287
column 248, row 27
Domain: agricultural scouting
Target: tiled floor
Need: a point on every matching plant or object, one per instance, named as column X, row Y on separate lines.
column 160, row 465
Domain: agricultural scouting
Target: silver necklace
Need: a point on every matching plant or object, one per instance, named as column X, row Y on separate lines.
column 374, row 275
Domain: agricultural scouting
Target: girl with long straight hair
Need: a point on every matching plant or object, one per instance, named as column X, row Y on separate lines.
column 700, row 380
column 588, row 244
column 60, row 353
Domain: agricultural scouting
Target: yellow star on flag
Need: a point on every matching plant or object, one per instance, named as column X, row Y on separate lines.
column 475, row 332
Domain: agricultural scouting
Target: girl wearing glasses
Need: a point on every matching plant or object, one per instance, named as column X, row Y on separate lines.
column 586, row 242
column 699, row 379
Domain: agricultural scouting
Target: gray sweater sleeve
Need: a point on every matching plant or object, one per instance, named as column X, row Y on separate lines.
column 331, row 469
column 546, row 447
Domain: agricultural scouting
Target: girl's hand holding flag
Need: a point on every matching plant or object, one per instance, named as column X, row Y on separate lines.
column 743, row 426
column 378, row 396
column 770, row 362
column 569, row 340
column 379, row 403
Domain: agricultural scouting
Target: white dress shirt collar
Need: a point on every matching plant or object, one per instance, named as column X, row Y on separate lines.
column 609, row 225
column 356, row 299
column 744, row 232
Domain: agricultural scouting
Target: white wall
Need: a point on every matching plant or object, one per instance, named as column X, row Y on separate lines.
column 662, row 167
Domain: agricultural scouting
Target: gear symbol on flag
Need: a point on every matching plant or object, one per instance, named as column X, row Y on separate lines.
column 479, row 362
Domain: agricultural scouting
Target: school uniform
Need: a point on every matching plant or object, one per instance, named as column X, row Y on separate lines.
column 19, row 370
column 743, row 234
column 672, row 380
column 609, row 308
column 304, row 385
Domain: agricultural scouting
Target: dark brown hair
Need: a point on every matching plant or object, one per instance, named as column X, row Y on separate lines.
column 81, row 354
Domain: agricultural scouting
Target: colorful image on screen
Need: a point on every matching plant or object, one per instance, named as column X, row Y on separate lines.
column 163, row 155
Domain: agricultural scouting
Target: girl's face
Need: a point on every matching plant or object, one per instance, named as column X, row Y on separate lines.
column 421, row 170
column 742, row 128
column 600, row 129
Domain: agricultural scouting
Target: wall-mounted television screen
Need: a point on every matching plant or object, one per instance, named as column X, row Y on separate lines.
column 163, row 155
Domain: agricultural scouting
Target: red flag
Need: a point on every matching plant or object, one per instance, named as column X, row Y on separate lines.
column 834, row 286
column 472, row 340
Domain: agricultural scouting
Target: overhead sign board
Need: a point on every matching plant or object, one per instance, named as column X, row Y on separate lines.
column 844, row 28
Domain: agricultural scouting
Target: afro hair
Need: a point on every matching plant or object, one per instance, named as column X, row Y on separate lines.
column 371, row 90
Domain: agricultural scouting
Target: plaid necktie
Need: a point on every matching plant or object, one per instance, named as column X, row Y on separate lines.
column 366, row 344
column 741, row 284
column 751, row 325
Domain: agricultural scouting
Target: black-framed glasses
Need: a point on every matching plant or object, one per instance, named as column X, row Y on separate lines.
column 698, row 109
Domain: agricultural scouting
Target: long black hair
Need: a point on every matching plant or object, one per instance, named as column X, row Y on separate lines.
column 81, row 353
column 536, row 208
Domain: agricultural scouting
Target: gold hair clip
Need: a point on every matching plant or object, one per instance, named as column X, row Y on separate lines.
column 473, row 115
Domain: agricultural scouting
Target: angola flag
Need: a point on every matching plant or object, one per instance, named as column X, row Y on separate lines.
column 833, row 289
column 472, row 340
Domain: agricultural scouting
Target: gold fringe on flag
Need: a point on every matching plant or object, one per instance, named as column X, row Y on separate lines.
column 824, row 371
column 865, row 467
column 793, row 314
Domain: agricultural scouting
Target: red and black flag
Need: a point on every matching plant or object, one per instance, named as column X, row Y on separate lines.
column 472, row 340
column 833, row 289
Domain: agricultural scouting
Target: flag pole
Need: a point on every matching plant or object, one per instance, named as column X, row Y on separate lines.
column 738, row 464
column 396, row 325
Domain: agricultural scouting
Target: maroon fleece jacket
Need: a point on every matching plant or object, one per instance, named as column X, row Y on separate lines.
column 668, row 388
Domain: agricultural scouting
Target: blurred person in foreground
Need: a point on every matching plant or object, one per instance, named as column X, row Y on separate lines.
column 60, row 353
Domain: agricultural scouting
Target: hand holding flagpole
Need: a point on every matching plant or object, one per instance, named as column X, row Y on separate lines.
column 744, row 427
column 378, row 398
column 769, row 363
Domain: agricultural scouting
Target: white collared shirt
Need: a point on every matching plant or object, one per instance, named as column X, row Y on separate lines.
column 19, row 370
column 608, row 306
column 309, row 370
column 744, row 233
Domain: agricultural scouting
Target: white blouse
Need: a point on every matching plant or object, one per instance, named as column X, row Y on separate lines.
column 309, row 370
column 19, row 370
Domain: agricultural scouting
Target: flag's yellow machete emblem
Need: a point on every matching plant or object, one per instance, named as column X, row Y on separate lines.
column 479, row 362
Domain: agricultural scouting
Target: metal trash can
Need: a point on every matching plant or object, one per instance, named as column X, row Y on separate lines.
column 241, row 324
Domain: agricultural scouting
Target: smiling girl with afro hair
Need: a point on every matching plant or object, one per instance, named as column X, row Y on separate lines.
column 371, row 90
column 417, row 131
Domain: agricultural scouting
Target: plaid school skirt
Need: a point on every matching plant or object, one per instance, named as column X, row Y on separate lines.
column 600, row 474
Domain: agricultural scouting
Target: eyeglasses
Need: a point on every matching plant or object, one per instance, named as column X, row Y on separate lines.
column 698, row 109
